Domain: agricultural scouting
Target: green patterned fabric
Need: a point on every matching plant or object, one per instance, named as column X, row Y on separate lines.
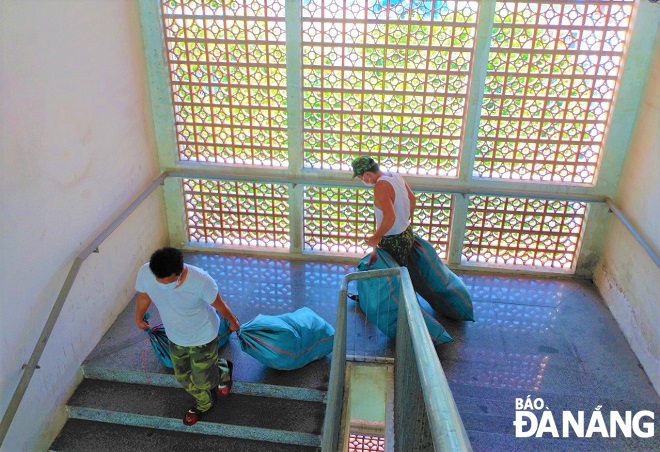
column 362, row 164
column 399, row 246
column 196, row 369
column 223, row 367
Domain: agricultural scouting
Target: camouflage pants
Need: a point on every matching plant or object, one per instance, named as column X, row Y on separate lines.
column 398, row 246
column 199, row 371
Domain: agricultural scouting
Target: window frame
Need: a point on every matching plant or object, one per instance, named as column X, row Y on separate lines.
column 621, row 124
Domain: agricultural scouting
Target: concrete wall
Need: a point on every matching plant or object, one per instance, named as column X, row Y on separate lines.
column 77, row 147
column 627, row 278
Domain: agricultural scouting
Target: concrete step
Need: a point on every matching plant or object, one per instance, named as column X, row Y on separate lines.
column 79, row 435
column 262, row 413
column 239, row 387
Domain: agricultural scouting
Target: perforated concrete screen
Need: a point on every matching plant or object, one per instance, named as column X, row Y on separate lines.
column 508, row 93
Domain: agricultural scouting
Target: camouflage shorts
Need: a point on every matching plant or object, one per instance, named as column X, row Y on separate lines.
column 399, row 246
column 196, row 369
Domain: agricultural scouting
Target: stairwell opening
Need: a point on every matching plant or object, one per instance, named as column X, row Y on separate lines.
column 369, row 419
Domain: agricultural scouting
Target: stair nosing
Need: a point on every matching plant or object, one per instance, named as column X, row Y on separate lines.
column 201, row 427
column 168, row 381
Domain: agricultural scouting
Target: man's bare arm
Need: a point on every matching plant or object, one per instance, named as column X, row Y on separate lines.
column 142, row 304
column 222, row 308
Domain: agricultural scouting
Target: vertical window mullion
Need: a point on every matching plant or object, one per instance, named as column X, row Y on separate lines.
column 293, row 17
column 458, row 225
column 485, row 18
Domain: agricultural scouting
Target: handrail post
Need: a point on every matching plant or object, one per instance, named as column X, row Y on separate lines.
column 332, row 419
column 333, row 410
column 448, row 432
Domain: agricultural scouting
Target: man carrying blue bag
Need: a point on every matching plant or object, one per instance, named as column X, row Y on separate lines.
column 394, row 205
column 188, row 302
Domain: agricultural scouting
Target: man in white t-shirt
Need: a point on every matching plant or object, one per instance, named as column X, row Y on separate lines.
column 188, row 302
column 394, row 204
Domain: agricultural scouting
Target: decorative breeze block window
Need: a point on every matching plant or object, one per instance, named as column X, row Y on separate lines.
column 392, row 78
column 553, row 70
column 228, row 78
column 432, row 220
column 386, row 78
column 523, row 232
column 237, row 213
column 341, row 219
column 366, row 443
column 337, row 219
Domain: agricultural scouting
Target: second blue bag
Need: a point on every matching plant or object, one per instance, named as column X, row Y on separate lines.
column 437, row 284
column 287, row 341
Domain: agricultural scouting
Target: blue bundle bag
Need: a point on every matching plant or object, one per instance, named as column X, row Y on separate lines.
column 287, row 341
column 161, row 343
column 379, row 299
column 437, row 284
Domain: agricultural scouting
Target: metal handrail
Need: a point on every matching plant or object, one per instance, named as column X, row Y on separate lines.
column 640, row 239
column 445, row 422
column 333, row 409
column 33, row 362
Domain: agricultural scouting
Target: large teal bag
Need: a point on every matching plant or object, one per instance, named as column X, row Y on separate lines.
column 379, row 299
column 437, row 284
column 287, row 341
column 161, row 343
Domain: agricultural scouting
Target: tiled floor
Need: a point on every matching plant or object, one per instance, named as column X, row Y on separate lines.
column 549, row 337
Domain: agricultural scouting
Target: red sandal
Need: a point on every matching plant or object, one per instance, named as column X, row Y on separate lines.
column 192, row 416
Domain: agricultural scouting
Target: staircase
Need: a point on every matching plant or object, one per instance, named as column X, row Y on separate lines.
column 120, row 411
column 551, row 339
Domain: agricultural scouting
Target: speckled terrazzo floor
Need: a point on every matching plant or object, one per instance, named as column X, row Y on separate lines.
column 549, row 338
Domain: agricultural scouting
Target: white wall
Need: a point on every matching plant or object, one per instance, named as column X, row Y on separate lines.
column 626, row 277
column 77, row 147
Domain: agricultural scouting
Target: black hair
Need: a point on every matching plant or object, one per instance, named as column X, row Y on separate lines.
column 165, row 262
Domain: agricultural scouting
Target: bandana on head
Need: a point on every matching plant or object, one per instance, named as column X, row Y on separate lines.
column 362, row 164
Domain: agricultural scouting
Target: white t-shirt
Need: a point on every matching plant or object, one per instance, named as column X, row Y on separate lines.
column 401, row 204
column 186, row 311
